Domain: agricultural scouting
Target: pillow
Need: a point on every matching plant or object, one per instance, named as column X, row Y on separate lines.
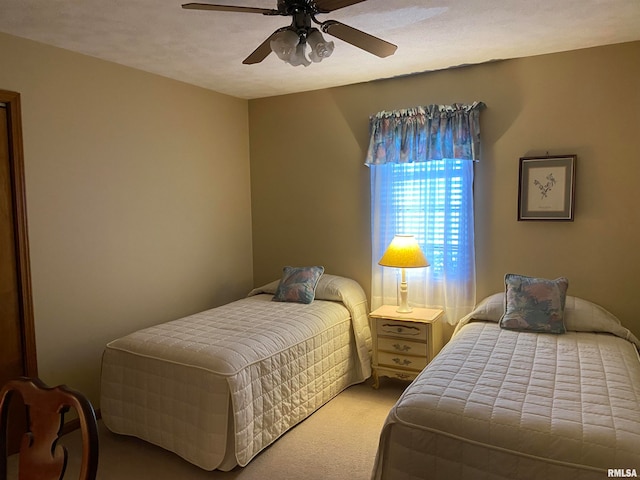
column 269, row 288
column 298, row 284
column 491, row 308
column 534, row 304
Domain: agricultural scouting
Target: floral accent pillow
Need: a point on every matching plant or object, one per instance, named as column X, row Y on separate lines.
column 534, row 304
column 298, row 284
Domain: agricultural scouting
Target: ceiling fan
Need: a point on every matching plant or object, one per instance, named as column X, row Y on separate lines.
column 290, row 43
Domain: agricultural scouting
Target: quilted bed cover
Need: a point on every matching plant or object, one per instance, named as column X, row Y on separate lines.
column 219, row 386
column 501, row 404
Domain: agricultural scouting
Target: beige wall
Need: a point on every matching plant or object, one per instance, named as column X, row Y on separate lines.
column 138, row 201
column 310, row 189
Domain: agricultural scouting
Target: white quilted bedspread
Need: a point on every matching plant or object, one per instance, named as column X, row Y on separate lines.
column 227, row 339
column 277, row 362
column 500, row 404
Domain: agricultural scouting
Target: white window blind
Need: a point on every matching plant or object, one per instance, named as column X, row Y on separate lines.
column 427, row 202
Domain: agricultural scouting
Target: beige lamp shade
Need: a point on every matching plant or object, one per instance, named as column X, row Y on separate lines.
column 403, row 252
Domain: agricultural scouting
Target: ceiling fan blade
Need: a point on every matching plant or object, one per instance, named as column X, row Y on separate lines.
column 326, row 6
column 262, row 52
column 359, row 38
column 229, row 8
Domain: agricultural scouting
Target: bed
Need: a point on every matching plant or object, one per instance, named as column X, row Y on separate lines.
column 499, row 403
column 218, row 387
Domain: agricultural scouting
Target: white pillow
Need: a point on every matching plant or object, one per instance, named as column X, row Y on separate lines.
column 491, row 308
column 328, row 287
column 579, row 316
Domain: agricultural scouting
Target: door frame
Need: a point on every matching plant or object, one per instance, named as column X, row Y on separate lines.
column 16, row 163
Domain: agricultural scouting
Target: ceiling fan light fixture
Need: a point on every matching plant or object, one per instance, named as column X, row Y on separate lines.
column 298, row 57
column 284, row 44
column 320, row 48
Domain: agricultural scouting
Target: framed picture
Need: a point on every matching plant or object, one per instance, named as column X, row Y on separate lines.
column 546, row 188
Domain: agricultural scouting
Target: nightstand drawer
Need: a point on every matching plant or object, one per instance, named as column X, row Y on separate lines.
column 402, row 345
column 402, row 361
column 398, row 328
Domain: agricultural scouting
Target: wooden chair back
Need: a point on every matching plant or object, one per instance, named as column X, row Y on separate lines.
column 40, row 457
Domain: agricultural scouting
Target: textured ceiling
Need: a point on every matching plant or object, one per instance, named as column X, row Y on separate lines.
column 206, row 48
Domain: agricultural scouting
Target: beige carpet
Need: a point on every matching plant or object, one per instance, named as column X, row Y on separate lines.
column 338, row 441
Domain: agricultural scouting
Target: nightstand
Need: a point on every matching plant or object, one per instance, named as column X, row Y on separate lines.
column 404, row 343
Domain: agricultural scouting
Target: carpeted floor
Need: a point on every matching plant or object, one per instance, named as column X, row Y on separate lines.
column 337, row 442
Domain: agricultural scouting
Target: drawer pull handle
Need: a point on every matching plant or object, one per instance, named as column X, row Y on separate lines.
column 402, row 328
column 403, row 376
column 402, row 362
column 401, row 348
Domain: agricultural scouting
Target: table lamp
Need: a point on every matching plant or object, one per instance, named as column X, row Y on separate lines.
column 403, row 252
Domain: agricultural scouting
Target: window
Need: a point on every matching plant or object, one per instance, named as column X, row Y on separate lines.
column 428, row 200
column 421, row 161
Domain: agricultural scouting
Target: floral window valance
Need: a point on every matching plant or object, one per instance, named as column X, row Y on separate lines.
column 425, row 133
